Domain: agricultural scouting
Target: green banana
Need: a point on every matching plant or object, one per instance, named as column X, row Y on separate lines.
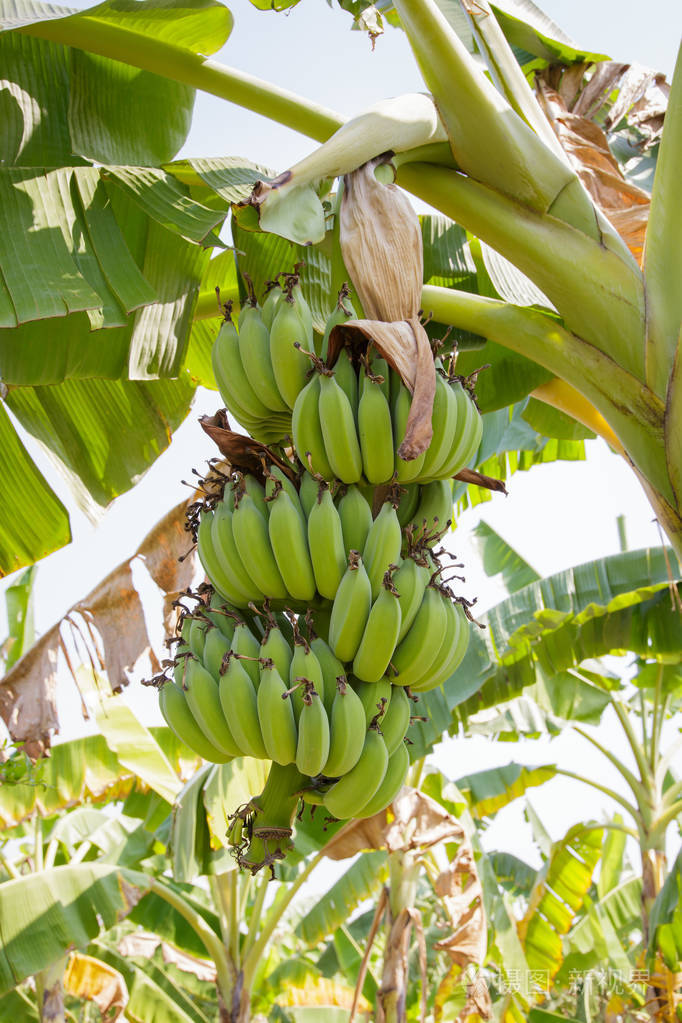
column 434, row 512
column 312, row 748
column 347, row 731
column 221, row 615
column 356, row 520
column 451, row 653
column 337, row 421
column 410, row 581
column 240, row 706
column 325, row 542
column 375, row 431
column 203, row 700
column 289, row 543
column 256, row 491
column 276, row 716
column 350, row 794
column 308, row 490
column 409, row 500
column 289, row 364
column 270, row 303
column 212, row 566
column 375, row 698
column 350, row 609
column 343, row 311
column 197, row 633
column 303, row 310
column 380, row 368
column 332, row 670
column 347, row 379
column 304, row 665
column 382, row 547
column 406, row 472
column 278, row 476
column 396, row 720
column 254, row 350
column 380, row 637
column 413, row 657
column 275, row 648
column 246, row 649
column 393, row 781
column 252, row 539
column 215, row 648
column 469, row 432
column 444, row 425
column 179, row 718
column 307, row 430
column 233, row 383
column 232, row 568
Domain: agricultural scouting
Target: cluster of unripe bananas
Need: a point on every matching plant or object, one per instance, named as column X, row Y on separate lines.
column 257, row 686
column 327, row 612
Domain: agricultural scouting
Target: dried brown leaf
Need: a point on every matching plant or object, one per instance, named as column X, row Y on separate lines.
column 143, row 945
column 479, row 480
column 87, row 977
column 356, row 836
column 243, row 453
column 162, row 549
column 28, row 695
column 115, row 609
column 381, row 245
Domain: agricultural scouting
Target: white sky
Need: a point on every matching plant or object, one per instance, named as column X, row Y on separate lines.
column 556, row 515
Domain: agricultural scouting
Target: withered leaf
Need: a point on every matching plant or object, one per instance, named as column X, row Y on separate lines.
column 87, row 977
column 28, row 695
column 243, row 453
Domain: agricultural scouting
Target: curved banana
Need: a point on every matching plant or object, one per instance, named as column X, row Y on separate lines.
column 382, row 547
column 232, row 567
column 347, row 379
column 409, row 500
column 276, row 716
column 240, row 706
column 469, row 432
column 233, row 383
column 308, row 489
column 277, row 649
column 332, row 670
column 337, row 421
column 209, row 559
column 410, row 581
column 277, row 476
column 375, row 698
column 343, row 311
column 380, row 368
column 350, row 794
column 380, row 637
column 201, row 691
column 270, row 303
column 325, row 542
column 396, row 720
column 417, row 652
column 375, row 431
column 179, row 718
column 443, row 424
column 289, row 543
column 216, row 647
column 312, row 748
column 221, row 615
column 252, row 539
column 246, row 649
column 434, row 512
column 347, row 729
column 254, row 350
column 304, row 665
column 256, row 491
column 405, row 471
column 351, row 607
column 289, row 364
column 307, row 430
column 356, row 519
column 450, row 656
column 393, row 781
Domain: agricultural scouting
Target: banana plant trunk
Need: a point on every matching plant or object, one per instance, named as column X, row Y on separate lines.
column 392, row 994
column 239, row 1009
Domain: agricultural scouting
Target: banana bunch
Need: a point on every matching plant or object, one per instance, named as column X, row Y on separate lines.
column 349, row 427
column 260, row 368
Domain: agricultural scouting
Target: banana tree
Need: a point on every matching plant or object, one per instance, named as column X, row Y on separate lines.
column 146, row 226
column 553, row 682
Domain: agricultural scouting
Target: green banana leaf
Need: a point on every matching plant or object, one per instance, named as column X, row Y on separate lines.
column 44, row 915
column 488, row 791
column 612, row 859
column 19, row 601
column 515, row 875
column 361, row 881
column 665, row 921
column 497, row 557
column 136, row 748
column 189, row 833
column 85, row 770
column 154, row 915
column 530, row 31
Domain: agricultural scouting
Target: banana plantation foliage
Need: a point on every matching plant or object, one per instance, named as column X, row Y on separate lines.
column 376, row 373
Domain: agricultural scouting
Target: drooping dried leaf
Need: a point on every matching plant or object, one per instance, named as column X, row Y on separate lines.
column 394, row 974
column 115, row 609
column 356, row 836
column 479, row 480
column 405, row 346
column 626, row 205
column 381, row 245
column 28, row 695
column 243, row 453
column 162, row 548
column 87, row 977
